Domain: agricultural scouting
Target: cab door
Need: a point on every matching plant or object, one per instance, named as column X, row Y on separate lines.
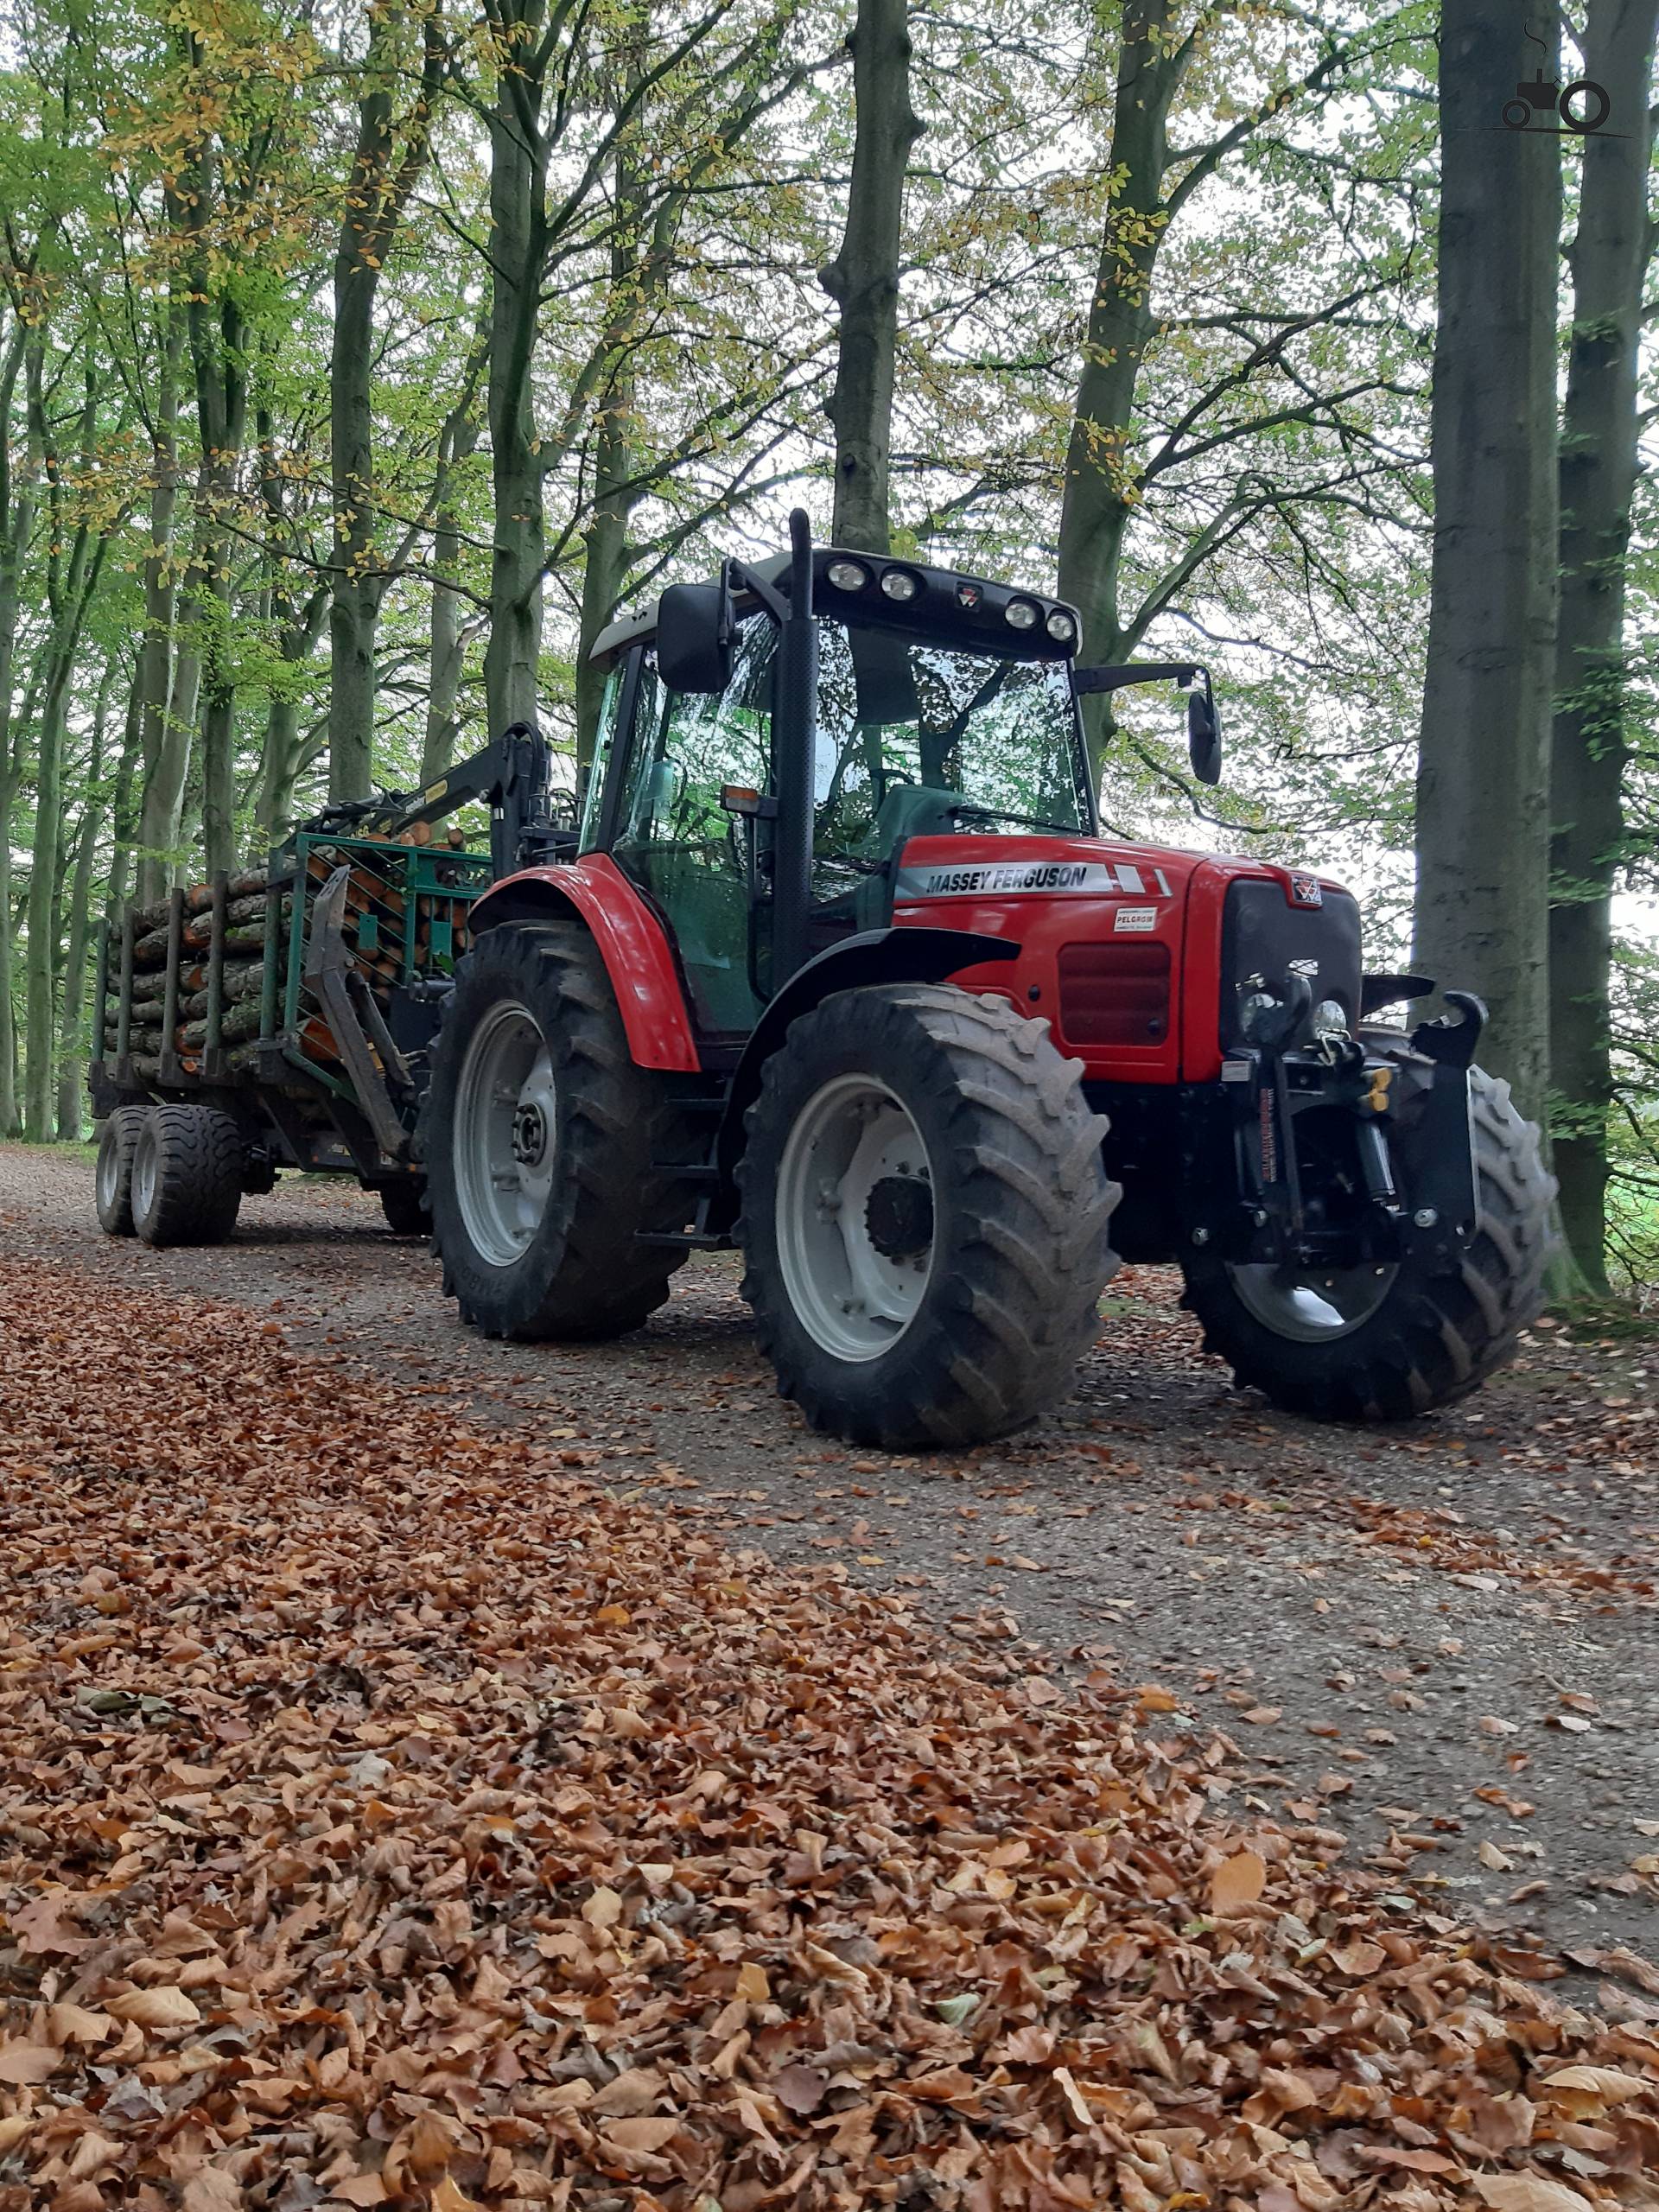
column 669, row 831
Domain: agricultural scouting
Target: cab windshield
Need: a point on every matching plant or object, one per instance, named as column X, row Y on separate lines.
column 916, row 738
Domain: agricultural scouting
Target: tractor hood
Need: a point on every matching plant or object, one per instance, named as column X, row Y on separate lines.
column 1137, row 954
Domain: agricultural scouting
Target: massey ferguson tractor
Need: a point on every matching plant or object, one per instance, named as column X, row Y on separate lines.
column 840, row 969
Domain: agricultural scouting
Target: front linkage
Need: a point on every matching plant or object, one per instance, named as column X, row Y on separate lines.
column 1407, row 1189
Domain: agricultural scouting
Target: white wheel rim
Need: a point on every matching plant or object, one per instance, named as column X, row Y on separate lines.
column 109, row 1171
column 506, row 1134
column 1312, row 1309
column 855, row 1258
column 143, row 1175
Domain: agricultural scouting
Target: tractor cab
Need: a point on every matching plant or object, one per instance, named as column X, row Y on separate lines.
column 862, row 702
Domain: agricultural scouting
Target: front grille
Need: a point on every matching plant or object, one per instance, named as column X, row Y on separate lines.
column 1115, row 994
column 1261, row 935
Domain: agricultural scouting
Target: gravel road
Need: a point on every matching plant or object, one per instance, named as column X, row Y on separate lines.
column 1442, row 1639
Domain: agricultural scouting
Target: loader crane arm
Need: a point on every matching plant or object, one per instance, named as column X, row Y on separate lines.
column 510, row 776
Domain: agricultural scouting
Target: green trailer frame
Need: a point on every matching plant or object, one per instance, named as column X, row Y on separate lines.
column 296, row 1108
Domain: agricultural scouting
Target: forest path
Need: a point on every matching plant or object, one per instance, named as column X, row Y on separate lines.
column 1443, row 1640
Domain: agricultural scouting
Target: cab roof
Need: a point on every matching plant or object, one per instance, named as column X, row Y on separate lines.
column 970, row 611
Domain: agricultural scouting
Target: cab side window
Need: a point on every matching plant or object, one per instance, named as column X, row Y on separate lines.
column 678, row 842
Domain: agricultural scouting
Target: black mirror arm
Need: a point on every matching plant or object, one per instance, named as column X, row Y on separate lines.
column 736, row 577
column 1115, row 678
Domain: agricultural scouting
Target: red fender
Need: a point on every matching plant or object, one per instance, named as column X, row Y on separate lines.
column 632, row 943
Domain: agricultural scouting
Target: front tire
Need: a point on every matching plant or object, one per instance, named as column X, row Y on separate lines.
column 542, row 1141
column 113, row 1176
column 1425, row 1334
column 925, row 1215
column 186, row 1176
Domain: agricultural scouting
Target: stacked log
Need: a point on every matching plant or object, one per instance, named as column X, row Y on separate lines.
column 248, row 896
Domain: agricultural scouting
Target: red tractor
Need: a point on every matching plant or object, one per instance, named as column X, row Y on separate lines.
column 842, row 971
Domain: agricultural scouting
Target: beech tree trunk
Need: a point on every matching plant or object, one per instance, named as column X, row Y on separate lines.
column 16, row 528
column 1608, row 260
column 1481, row 904
column 164, row 749
column 518, row 251
column 863, row 279
column 217, row 335
column 447, row 636
column 73, row 561
column 375, row 198
column 1099, row 491
column 72, row 1043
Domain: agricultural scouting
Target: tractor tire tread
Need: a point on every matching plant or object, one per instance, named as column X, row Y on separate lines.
column 1441, row 1333
column 198, row 1188
column 1033, row 1205
column 617, row 1121
column 115, row 1147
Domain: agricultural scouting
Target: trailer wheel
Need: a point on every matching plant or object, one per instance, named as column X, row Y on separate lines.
column 186, row 1176
column 925, row 1217
column 404, row 1204
column 1387, row 1342
column 113, row 1176
column 543, row 1144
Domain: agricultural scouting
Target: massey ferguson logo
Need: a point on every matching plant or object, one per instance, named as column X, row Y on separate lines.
column 1305, row 891
column 1000, row 879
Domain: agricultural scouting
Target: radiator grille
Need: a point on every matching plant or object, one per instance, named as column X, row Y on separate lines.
column 1115, row 994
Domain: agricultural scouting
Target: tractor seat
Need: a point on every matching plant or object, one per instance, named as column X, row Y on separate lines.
column 908, row 810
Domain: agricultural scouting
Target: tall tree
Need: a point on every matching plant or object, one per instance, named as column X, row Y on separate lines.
column 1482, row 903
column 74, row 557
column 377, row 194
column 1608, row 260
column 165, row 746
column 863, row 279
column 18, row 469
column 1153, row 182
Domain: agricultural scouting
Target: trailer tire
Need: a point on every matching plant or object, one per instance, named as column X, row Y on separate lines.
column 578, row 1130
column 925, row 1217
column 406, row 1209
column 1436, row 1332
column 113, row 1175
column 186, row 1176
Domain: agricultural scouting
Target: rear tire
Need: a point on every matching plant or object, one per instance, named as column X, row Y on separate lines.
column 406, row 1207
column 921, row 1164
column 186, row 1176
column 113, row 1176
column 1435, row 1332
column 541, row 1140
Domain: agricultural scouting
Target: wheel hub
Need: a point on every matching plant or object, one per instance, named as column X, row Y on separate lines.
column 900, row 1217
column 529, row 1133
column 506, row 1134
column 856, row 1217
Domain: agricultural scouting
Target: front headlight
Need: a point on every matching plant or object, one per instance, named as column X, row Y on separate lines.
column 1258, row 1016
column 1329, row 1019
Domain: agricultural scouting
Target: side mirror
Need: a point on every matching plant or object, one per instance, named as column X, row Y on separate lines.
column 1204, row 734
column 694, row 637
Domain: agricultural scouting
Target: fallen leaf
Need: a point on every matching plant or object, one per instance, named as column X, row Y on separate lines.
column 167, row 2008
column 1237, row 1881
column 23, row 2063
column 800, row 2088
column 1526, row 2192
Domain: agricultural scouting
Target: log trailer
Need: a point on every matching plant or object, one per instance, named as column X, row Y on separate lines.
column 840, row 969
column 281, row 1017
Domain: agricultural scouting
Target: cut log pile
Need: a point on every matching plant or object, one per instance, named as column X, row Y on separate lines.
column 248, row 897
column 385, row 920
